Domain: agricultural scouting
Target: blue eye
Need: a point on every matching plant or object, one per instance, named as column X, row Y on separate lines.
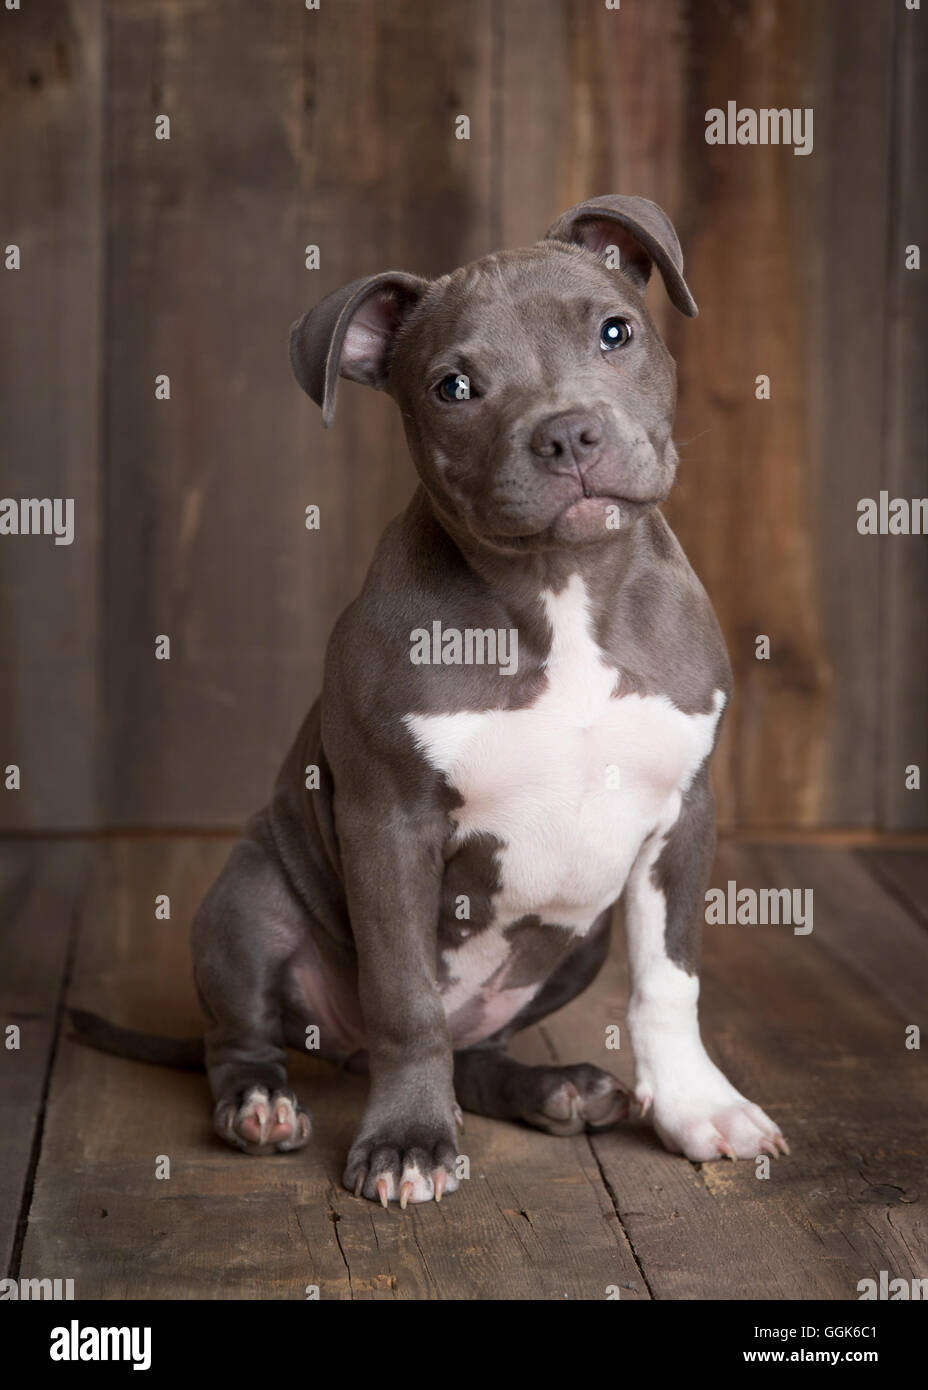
column 614, row 333
column 455, row 387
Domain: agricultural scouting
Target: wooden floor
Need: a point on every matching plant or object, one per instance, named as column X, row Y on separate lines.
column 812, row 1027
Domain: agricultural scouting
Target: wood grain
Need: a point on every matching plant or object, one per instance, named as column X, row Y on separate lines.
column 51, row 161
column 904, row 671
column 904, row 873
column 744, row 504
column 41, row 887
column 205, row 495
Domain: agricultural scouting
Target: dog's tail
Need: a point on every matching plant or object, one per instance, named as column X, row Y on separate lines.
column 185, row 1054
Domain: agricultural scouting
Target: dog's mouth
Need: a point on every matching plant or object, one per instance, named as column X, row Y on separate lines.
column 597, row 516
column 593, row 499
column 589, row 516
column 592, row 504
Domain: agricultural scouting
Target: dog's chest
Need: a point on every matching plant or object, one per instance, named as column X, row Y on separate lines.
column 572, row 785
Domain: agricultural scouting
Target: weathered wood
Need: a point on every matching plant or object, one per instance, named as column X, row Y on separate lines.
column 40, row 889
column 905, row 874
column 50, row 356
column 904, row 733
column 838, row 242
column 857, row 921
column 747, row 507
column 204, row 502
column 530, row 184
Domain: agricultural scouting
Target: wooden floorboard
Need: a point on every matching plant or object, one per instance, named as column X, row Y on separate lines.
column 904, row 873
column 40, row 887
column 812, row 1027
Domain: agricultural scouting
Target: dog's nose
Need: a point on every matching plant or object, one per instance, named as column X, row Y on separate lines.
column 568, row 439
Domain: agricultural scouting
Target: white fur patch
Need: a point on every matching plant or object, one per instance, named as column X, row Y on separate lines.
column 571, row 786
column 696, row 1110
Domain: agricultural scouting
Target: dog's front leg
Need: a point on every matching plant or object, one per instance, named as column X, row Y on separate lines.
column 406, row 1147
column 696, row 1110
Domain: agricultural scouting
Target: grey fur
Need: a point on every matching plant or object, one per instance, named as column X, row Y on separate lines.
column 353, row 882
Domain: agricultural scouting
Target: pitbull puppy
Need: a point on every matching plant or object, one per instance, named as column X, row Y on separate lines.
column 438, row 863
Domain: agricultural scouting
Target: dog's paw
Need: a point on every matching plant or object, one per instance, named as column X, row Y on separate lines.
column 712, row 1121
column 570, row 1100
column 413, row 1163
column 261, row 1124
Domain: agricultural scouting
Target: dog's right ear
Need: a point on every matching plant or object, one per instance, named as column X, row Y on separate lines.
column 351, row 334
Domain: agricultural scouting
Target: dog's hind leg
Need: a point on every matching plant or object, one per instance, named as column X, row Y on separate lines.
column 558, row 1099
column 244, row 933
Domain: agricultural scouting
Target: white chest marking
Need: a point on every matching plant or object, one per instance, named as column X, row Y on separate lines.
column 573, row 784
column 570, row 786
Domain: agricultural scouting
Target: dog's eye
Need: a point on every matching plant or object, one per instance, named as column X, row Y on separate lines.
column 455, row 387
column 614, row 333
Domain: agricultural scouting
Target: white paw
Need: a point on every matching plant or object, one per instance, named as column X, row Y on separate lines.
column 403, row 1167
column 710, row 1120
column 413, row 1185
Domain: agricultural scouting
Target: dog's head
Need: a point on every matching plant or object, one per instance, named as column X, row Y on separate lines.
column 537, row 395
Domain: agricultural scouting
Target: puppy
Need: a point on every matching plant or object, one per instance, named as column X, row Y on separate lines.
column 515, row 728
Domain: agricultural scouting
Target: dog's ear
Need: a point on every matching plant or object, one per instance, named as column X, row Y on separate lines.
column 351, row 333
column 643, row 233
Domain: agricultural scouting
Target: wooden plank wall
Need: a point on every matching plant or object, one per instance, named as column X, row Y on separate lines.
column 336, row 127
column 905, row 630
column 51, row 376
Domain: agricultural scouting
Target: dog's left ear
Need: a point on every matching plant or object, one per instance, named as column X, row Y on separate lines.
column 643, row 233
